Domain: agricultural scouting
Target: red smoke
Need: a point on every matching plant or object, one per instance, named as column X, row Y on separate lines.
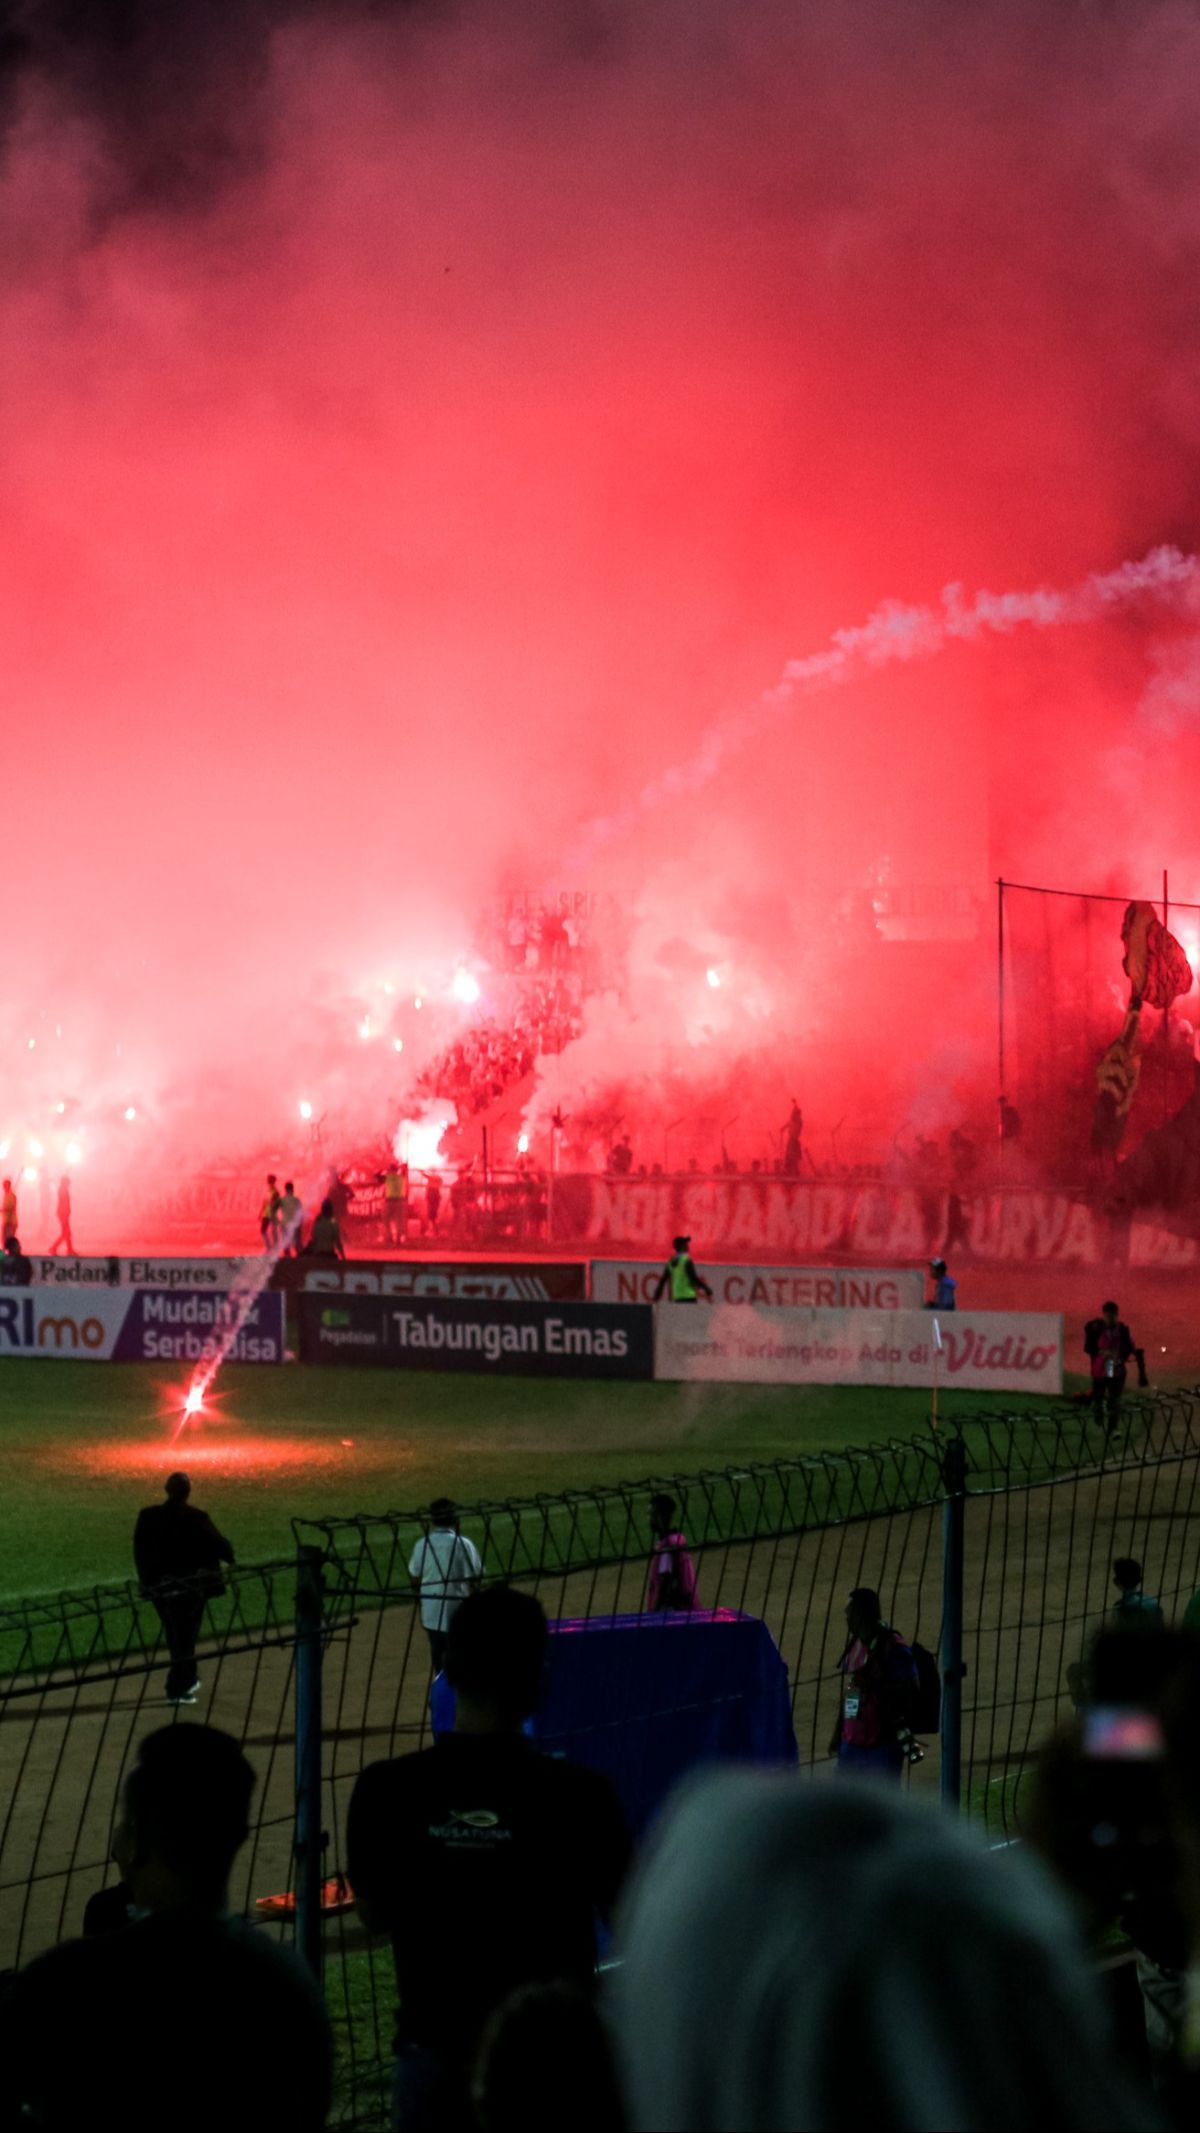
column 520, row 396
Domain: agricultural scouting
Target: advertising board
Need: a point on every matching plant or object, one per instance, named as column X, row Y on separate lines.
column 982, row 1351
column 496, row 1338
column 793, row 1287
column 139, row 1325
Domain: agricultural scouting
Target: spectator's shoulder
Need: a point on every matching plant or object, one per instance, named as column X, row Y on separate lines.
column 394, row 1776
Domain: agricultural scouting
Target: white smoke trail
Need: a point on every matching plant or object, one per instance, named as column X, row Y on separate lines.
column 895, row 632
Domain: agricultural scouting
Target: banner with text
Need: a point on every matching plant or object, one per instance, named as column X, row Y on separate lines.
column 516, row 1280
column 796, row 1287
column 872, row 1224
column 982, row 1351
column 140, row 1325
column 496, row 1338
column 145, row 1273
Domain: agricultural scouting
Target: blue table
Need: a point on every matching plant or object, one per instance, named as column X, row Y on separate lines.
column 647, row 1698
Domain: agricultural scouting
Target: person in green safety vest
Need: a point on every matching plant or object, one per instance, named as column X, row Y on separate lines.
column 679, row 1276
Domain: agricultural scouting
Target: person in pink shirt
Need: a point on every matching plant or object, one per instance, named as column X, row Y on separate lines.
column 671, row 1585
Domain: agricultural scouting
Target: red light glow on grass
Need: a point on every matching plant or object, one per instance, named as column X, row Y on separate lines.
column 214, row 1456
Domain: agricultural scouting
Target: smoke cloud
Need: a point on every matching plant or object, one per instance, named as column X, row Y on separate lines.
column 426, row 434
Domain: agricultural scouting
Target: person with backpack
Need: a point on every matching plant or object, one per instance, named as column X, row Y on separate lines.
column 671, row 1585
column 880, row 1691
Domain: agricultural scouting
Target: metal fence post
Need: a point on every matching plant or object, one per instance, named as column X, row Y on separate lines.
column 954, row 1478
column 310, row 1837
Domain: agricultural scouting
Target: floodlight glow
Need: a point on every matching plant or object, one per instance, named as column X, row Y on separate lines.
column 522, row 1144
column 465, row 987
column 714, row 978
column 305, row 1107
column 130, row 1113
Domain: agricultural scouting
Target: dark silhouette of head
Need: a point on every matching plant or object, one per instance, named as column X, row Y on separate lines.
column 496, row 1656
column 544, row 2044
column 184, row 1814
column 443, row 1511
column 178, row 1488
column 1127, row 1573
column 1111, row 1312
column 864, row 1612
column 662, row 1514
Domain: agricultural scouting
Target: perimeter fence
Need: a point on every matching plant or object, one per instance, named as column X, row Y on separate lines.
column 319, row 1665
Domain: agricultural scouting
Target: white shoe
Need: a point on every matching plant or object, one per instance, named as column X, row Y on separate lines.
column 189, row 1698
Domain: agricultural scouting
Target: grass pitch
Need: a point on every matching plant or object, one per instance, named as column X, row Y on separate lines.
column 84, row 1445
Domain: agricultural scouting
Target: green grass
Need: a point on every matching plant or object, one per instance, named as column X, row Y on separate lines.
column 84, row 1445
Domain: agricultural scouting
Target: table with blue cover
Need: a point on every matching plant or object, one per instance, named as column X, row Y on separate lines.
column 647, row 1698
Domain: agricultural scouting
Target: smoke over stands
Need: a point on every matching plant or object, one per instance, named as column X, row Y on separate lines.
column 423, row 429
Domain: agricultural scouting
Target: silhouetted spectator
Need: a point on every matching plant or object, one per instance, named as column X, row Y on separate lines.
column 268, row 1214
column 546, row 2063
column 325, row 1236
column 485, row 1861
column 945, row 1288
column 16, row 1271
column 838, row 1958
column 291, row 1221
column 1112, row 1806
column 445, row 1569
column 620, row 1160
column 1010, row 1120
column 63, row 1210
column 1108, row 1345
column 179, row 1553
column 433, row 1204
column 879, row 1684
column 187, row 2018
column 671, row 1585
column 1135, row 1609
column 8, row 1211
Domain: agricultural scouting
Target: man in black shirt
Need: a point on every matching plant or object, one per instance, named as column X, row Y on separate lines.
column 184, row 2018
column 179, row 1552
column 487, row 1862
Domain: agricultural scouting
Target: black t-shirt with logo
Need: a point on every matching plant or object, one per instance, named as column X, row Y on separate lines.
column 488, row 1864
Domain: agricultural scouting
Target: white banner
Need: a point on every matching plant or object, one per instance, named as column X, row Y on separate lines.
column 144, row 1273
column 982, row 1351
column 791, row 1287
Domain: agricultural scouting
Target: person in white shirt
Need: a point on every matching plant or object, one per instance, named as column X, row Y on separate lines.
column 291, row 1221
column 444, row 1567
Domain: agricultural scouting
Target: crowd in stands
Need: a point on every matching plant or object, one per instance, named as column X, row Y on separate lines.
column 496, row 1054
column 784, row 1954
